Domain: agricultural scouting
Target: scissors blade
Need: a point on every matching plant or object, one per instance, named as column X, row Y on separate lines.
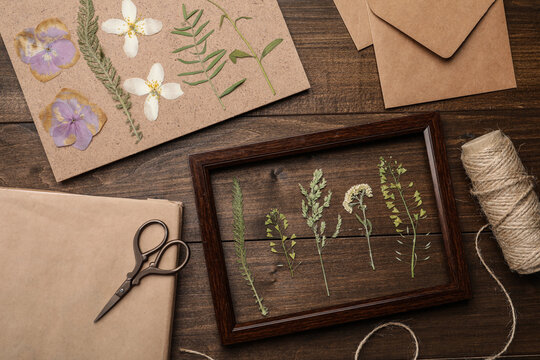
column 115, row 299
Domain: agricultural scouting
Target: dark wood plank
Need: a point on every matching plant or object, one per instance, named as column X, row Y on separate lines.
column 345, row 81
column 163, row 172
column 13, row 107
column 477, row 327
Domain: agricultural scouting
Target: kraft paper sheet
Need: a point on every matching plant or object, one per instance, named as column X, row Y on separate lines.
column 64, row 256
column 355, row 17
column 196, row 109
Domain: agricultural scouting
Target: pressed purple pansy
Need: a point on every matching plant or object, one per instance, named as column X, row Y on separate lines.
column 72, row 120
column 47, row 49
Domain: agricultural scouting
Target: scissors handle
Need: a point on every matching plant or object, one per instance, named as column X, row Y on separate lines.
column 153, row 267
column 140, row 256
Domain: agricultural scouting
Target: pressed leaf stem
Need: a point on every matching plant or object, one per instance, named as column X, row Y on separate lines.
column 284, row 246
column 322, row 262
column 249, row 278
column 203, row 68
column 97, row 58
column 255, row 56
column 368, row 233
column 413, row 255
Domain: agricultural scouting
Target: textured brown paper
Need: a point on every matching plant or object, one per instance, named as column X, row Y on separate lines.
column 196, row 109
column 410, row 73
column 355, row 17
column 64, row 256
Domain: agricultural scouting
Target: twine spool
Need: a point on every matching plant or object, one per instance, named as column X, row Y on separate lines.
column 506, row 193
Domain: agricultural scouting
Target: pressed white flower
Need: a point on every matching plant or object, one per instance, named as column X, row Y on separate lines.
column 353, row 197
column 352, row 194
column 347, row 205
column 154, row 88
column 131, row 27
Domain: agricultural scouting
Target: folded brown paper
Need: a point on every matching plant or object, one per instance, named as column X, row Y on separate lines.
column 64, row 256
column 355, row 17
column 431, row 50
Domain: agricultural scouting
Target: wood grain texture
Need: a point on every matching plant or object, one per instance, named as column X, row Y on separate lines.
column 344, row 89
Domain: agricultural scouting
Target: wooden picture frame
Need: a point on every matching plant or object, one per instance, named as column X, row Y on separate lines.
column 427, row 125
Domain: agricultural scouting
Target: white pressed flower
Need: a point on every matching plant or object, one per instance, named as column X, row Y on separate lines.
column 154, row 88
column 347, row 205
column 365, row 187
column 352, row 194
column 131, row 27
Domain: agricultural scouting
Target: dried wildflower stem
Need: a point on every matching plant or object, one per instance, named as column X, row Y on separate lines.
column 396, row 171
column 276, row 221
column 368, row 228
column 318, row 183
column 100, row 64
column 413, row 223
column 355, row 197
column 239, row 229
column 233, row 23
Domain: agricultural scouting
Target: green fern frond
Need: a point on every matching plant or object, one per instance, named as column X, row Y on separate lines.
column 192, row 32
column 239, row 230
column 100, row 64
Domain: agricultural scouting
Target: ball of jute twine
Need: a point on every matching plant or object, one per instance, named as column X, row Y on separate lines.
column 506, row 193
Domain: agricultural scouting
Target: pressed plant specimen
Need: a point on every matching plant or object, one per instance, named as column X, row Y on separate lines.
column 209, row 66
column 276, row 226
column 395, row 195
column 354, row 197
column 101, row 65
column 312, row 211
column 239, row 229
column 239, row 54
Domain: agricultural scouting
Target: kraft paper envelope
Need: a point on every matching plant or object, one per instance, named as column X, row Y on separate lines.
column 63, row 257
column 203, row 103
column 431, row 50
column 355, row 17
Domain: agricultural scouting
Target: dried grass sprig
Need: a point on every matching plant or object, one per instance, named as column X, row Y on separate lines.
column 312, row 211
column 239, row 229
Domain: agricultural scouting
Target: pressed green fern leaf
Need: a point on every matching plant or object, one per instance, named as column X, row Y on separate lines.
column 239, row 229
column 100, row 64
column 207, row 64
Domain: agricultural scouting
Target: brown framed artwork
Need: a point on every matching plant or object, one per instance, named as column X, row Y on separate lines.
column 330, row 227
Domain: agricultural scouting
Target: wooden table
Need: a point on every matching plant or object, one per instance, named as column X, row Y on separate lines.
column 345, row 91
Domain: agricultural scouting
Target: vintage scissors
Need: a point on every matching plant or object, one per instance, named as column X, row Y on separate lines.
column 134, row 277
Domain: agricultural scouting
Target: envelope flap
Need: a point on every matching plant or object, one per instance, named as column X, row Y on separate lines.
column 439, row 25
